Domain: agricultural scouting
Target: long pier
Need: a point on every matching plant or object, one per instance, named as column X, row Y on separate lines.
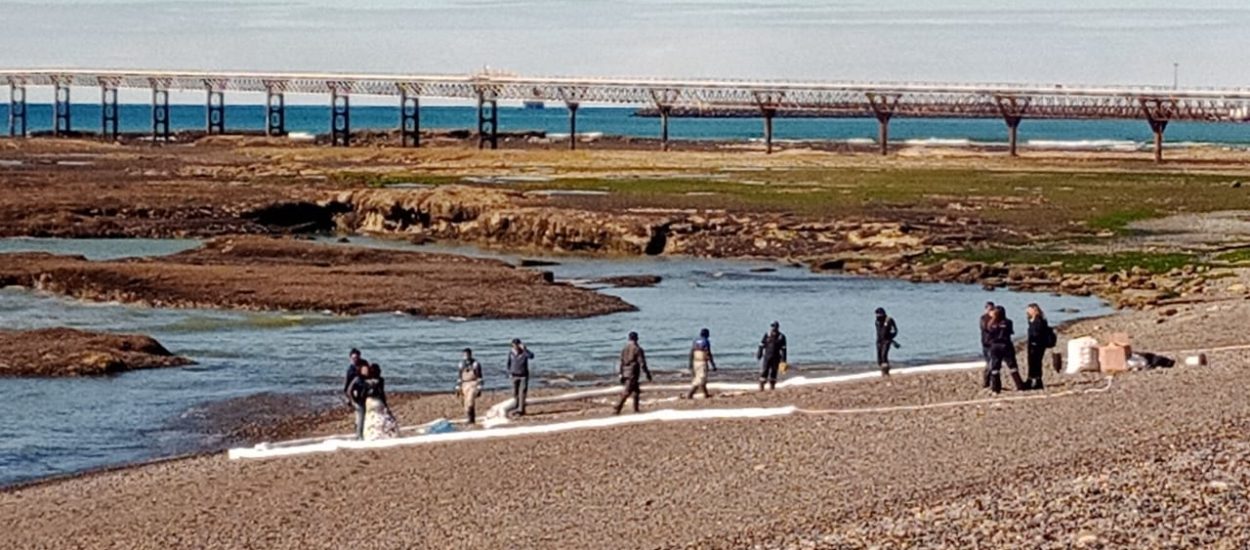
column 1013, row 103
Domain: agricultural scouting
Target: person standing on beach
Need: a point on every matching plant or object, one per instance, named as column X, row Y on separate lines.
column 701, row 360
column 887, row 331
column 771, row 354
column 986, row 318
column 633, row 366
column 469, row 384
column 1041, row 338
column 353, row 372
column 1002, row 350
column 519, row 369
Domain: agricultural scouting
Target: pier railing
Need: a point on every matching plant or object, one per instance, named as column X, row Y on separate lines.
column 666, row 97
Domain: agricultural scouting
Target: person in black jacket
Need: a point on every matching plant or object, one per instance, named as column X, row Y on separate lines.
column 986, row 318
column 771, row 354
column 355, row 361
column 887, row 331
column 1041, row 337
column 1002, row 350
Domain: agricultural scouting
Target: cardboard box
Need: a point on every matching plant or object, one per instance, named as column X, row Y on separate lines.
column 1113, row 358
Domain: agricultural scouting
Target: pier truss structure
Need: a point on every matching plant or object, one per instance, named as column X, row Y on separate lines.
column 666, row 98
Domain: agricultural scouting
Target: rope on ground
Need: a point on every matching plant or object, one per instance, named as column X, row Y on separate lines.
column 1233, row 347
column 951, row 404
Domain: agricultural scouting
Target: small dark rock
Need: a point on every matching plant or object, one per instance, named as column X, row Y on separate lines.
column 531, row 262
column 629, row 281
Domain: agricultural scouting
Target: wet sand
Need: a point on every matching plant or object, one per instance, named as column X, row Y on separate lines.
column 1149, row 461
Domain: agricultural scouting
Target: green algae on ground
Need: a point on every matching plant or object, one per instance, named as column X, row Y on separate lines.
column 1075, row 262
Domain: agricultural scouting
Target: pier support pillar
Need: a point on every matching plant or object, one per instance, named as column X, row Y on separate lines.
column 109, row 113
column 665, row 111
column 160, row 115
column 17, row 110
column 1157, row 127
column 573, row 105
column 1013, row 134
column 884, row 106
column 1013, row 109
column 215, row 112
column 487, row 121
column 275, row 112
column 768, row 113
column 409, row 119
column 340, row 117
column 60, row 109
column 883, row 132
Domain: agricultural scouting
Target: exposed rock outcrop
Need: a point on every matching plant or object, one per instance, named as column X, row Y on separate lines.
column 260, row 273
column 56, row 352
column 502, row 217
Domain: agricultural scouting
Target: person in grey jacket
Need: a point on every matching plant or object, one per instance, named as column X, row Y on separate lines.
column 633, row 366
column 519, row 369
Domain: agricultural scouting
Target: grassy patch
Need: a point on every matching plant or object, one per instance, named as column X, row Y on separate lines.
column 1235, row 256
column 1078, row 262
column 1119, row 220
column 379, row 179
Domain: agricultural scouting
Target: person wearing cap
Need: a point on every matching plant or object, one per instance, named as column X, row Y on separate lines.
column 771, row 354
column 519, row 369
column 887, row 331
column 469, row 385
column 700, row 360
column 633, row 366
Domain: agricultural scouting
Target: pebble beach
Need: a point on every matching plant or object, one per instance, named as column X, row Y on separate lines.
column 1148, row 459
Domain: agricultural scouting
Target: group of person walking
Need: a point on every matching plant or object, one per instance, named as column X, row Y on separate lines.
column 365, row 388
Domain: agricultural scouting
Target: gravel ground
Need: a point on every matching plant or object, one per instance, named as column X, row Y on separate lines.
column 1151, row 462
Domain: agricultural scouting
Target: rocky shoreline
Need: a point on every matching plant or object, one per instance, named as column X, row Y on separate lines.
column 65, row 352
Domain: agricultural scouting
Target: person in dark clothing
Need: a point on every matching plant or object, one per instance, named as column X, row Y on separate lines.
column 1002, row 350
column 366, row 384
column 986, row 317
column 1041, row 338
column 369, row 391
column 887, row 331
column 771, row 354
column 519, row 369
column 633, row 366
column 469, row 384
column 353, row 372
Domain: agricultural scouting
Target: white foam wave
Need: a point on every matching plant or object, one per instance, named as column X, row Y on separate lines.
column 1086, row 144
column 938, row 142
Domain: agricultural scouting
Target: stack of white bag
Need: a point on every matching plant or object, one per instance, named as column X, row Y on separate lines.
column 1082, row 355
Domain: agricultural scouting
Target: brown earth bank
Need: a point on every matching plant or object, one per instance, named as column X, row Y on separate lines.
column 261, row 273
column 1152, row 460
column 57, row 352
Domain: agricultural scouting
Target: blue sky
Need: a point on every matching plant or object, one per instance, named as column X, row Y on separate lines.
column 1093, row 41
